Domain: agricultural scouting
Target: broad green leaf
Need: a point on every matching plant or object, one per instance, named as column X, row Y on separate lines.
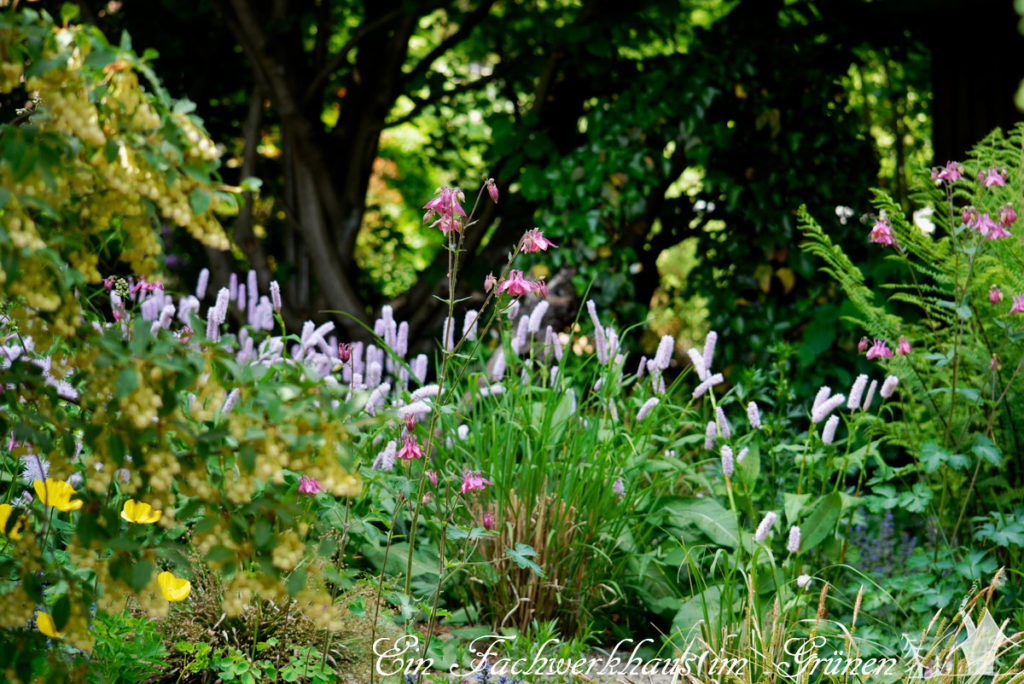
column 714, row 520
column 822, row 521
column 794, row 503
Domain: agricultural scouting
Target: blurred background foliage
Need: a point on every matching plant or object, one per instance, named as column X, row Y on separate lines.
column 664, row 145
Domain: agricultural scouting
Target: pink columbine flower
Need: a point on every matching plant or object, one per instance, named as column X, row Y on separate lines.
column 144, row 286
column 473, row 481
column 310, row 486
column 1007, row 216
column 991, row 230
column 344, row 352
column 995, row 295
column 992, row 177
column 432, row 476
column 903, row 348
column 447, row 206
column 970, row 216
column 410, row 449
column 1018, row 304
column 492, row 190
column 542, row 288
column 534, row 241
column 863, row 345
column 516, row 284
column 489, row 282
column 879, row 350
column 882, row 234
column 952, row 172
column 995, row 230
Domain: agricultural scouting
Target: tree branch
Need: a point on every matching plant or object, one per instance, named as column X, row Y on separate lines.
column 471, row 21
column 339, row 58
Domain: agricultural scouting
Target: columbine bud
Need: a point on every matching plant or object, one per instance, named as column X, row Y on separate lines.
column 492, row 190
column 344, row 352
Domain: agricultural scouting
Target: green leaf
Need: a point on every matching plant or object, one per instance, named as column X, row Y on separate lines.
column 933, row 456
column 703, row 608
column 520, row 556
column 126, row 382
column 822, row 520
column 794, row 503
column 713, row 519
column 5, row 197
column 200, row 200
column 68, row 12
column 262, row 533
column 251, row 184
column 986, row 449
column 142, row 572
column 296, row 582
column 61, row 612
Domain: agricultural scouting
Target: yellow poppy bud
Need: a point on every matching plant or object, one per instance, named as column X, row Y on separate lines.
column 44, row 621
column 139, row 512
column 174, row 588
column 57, row 493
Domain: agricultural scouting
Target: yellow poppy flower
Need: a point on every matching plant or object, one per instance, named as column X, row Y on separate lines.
column 174, row 588
column 46, row 625
column 19, row 525
column 57, row 493
column 139, row 512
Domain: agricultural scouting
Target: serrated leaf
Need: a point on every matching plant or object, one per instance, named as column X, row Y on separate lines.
column 520, row 554
column 986, row 449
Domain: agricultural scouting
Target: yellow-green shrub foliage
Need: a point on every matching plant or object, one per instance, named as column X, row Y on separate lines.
column 88, row 170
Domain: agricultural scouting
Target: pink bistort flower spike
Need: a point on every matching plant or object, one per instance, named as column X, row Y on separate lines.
column 793, row 545
column 995, row 295
column 728, row 465
column 765, row 527
column 754, row 415
column 881, row 234
column 1018, row 304
column 992, row 177
column 309, row 486
column 473, row 481
column 903, row 348
column 534, row 241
